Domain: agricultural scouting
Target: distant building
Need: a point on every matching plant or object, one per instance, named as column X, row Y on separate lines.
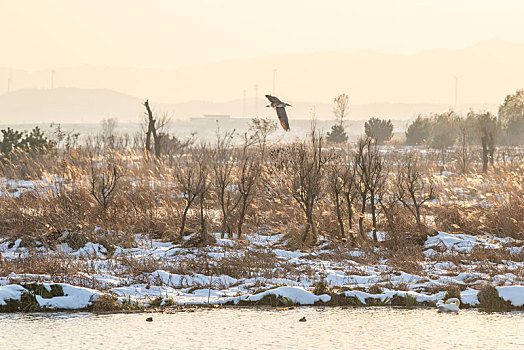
column 208, row 117
column 217, row 116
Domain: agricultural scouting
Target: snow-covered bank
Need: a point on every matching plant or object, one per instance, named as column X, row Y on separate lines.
column 260, row 270
column 142, row 296
column 46, row 296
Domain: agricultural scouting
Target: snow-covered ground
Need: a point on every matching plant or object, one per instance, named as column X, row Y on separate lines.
column 261, row 266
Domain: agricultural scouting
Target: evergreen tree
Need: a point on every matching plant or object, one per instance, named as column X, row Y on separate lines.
column 11, row 140
column 511, row 115
column 444, row 130
column 34, row 142
column 380, row 130
column 337, row 134
column 340, row 110
column 419, row 132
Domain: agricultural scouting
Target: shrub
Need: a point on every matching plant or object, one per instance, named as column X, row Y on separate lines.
column 274, row 300
column 419, row 132
column 106, row 303
column 490, row 300
column 453, row 291
column 380, row 130
column 337, row 134
column 321, row 287
column 35, row 142
column 407, row 300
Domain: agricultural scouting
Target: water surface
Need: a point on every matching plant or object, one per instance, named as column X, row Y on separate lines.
column 329, row 328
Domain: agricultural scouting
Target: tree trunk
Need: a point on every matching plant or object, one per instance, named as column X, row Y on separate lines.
column 225, row 217
column 241, row 218
column 484, row 154
column 350, row 210
column 309, row 224
column 373, row 216
column 203, row 226
column 151, row 130
column 361, row 218
column 339, row 215
column 183, row 223
column 224, row 226
column 491, row 146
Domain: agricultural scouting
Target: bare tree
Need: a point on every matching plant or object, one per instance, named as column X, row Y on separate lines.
column 191, row 177
column 371, row 173
column 204, row 160
column 464, row 151
column 104, row 181
column 248, row 174
column 172, row 146
column 341, row 182
column 388, row 200
column 151, row 130
column 487, row 128
column 335, row 184
column 154, row 128
column 261, row 129
column 413, row 188
column 108, row 132
column 301, row 167
column 236, row 172
column 223, row 178
column 341, row 108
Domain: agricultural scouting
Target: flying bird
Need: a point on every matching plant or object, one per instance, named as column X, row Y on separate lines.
column 280, row 107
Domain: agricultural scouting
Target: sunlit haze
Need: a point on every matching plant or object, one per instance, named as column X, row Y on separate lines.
column 445, row 52
column 39, row 34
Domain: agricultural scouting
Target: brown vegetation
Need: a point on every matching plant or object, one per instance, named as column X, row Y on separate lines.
column 311, row 193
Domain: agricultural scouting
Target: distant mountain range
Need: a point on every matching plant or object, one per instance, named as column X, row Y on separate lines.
column 74, row 105
column 484, row 73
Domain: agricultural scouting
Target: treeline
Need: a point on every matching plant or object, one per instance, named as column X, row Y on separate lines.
column 445, row 130
column 439, row 131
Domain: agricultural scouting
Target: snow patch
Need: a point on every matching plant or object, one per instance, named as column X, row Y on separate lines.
column 91, row 250
column 295, row 294
column 513, row 294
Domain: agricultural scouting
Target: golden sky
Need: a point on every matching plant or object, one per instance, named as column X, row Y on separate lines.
column 45, row 34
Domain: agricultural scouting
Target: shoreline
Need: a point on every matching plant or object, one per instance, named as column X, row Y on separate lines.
column 281, row 298
column 157, row 273
column 201, row 307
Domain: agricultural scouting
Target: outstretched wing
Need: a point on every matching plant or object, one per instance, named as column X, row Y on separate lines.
column 273, row 99
column 282, row 116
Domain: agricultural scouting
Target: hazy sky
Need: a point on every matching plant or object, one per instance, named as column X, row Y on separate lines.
column 37, row 34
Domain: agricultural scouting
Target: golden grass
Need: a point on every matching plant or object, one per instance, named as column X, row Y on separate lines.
column 147, row 200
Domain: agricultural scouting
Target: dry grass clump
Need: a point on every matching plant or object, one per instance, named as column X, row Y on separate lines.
column 58, row 267
column 375, row 289
column 500, row 208
column 451, row 218
column 403, row 253
column 453, row 291
column 490, row 300
column 479, row 253
column 106, row 303
column 45, row 215
column 249, row 264
column 138, row 266
column 321, row 287
column 507, row 218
